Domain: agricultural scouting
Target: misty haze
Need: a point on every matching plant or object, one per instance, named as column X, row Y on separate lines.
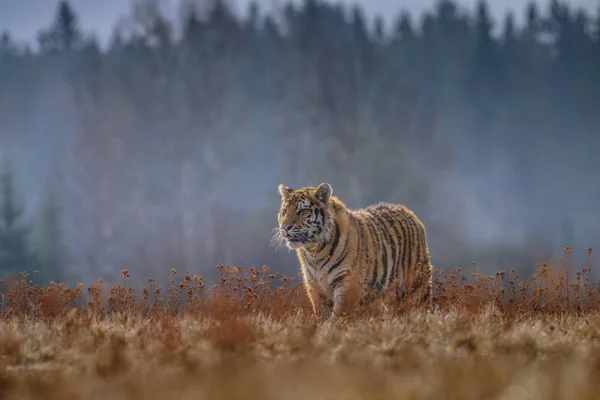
column 164, row 148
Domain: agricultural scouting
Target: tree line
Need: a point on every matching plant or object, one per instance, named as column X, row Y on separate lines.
column 170, row 140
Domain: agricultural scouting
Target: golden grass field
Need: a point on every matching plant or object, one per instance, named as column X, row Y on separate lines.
column 252, row 336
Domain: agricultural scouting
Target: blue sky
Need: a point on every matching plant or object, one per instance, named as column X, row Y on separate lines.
column 23, row 18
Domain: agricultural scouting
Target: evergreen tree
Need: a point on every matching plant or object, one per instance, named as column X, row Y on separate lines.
column 484, row 77
column 6, row 45
column 253, row 17
column 508, row 55
column 64, row 33
column 404, row 28
column 404, row 50
column 379, row 29
column 596, row 28
column 532, row 19
column 15, row 255
column 509, row 34
column 359, row 25
column 66, row 27
column 595, row 56
column 192, row 27
column 224, row 29
column 485, row 50
column 51, row 251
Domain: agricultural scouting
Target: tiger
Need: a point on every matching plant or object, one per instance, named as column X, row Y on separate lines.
column 345, row 254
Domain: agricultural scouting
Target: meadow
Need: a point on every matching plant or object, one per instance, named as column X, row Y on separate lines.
column 252, row 335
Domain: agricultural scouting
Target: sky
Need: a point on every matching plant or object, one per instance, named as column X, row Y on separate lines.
column 24, row 18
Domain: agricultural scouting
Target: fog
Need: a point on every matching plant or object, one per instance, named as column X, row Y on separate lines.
column 164, row 148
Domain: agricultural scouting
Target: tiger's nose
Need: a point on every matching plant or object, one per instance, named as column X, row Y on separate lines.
column 287, row 227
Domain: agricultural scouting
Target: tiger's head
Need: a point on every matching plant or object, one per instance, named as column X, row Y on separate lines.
column 305, row 216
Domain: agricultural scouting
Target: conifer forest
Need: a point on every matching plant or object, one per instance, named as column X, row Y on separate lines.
column 162, row 146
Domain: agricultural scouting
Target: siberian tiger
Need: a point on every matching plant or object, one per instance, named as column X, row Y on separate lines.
column 344, row 254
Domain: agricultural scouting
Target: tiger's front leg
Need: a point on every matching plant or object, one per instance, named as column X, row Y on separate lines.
column 345, row 296
column 318, row 300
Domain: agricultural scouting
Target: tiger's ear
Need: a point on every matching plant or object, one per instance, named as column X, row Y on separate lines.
column 323, row 193
column 284, row 191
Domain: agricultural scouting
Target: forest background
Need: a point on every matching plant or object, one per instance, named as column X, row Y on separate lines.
column 164, row 149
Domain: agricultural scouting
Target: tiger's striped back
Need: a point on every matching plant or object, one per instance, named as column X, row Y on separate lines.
column 392, row 242
column 341, row 250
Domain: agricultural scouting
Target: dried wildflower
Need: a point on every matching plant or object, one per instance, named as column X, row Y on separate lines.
column 567, row 250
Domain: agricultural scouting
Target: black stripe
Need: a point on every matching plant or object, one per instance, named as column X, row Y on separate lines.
column 417, row 242
column 358, row 242
column 375, row 237
column 423, row 242
column 412, row 233
column 338, row 280
column 341, row 258
column 388, row 220
column 364, row 246
column 404, row 247
column 421, row 245
column 397, row 263
column 321, row 213
column 395, row 243
column 408, row 267
column 381, row 231
column 384, row 212
column 336, row 238
column 369, row 262
column 320, row 222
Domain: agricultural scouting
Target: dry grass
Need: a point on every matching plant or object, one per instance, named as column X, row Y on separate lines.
column 252, row 336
